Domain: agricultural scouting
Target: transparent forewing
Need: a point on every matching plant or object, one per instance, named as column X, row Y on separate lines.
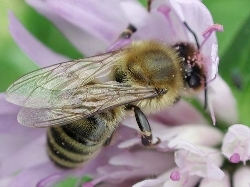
column 46, row 82
column 76, row 104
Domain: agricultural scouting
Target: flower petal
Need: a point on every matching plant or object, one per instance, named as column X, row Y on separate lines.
column 90, row 25
column 221, row 97
column 236, row 141
column 180, row 113
column 31, row 176
column 162, row 23
column 198, row 18
column 211, row 136
column 134, row 159
column 225, row 182
column 37, row 51
column 241, row 176
column 131, row 10
column 20, row 139
column 149, row 183
column 199, row 160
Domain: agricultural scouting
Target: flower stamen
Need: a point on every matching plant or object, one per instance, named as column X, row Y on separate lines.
column 175, row 176
column 235, row 158
column 207, row 33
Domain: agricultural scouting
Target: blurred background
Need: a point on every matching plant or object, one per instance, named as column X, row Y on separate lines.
column 234, row 45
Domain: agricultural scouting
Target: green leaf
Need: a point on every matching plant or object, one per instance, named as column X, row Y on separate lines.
column 143, row 2
column 73, row 181
column 235, row 67
column 232, row 15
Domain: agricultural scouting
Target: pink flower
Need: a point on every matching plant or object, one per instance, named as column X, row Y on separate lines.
column 236, row 143
column 183, row 158
column 235, row 147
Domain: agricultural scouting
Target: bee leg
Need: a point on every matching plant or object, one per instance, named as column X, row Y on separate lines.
column 149, row 2
column 127, row 33
column 144, row 126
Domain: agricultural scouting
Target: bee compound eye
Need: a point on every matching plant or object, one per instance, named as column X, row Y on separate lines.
column 194, row 81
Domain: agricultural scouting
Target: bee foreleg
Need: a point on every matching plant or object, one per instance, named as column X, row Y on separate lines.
column 127, row 33
column 146, row 134
column 149, row 2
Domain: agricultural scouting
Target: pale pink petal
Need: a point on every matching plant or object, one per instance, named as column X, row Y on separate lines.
column 180, row 113
column 185, row 179
column 159, row 24
column 84, row 40
column 37, row 51
column 211, row 61
column 173, row 23
column 215, row 61
column 237, row 141
column 225, row 182
column 164, row 180
column 241, row 177
column 220, row 97
column 198, row 18
column 199, row 160
column 127, row 165
column 210, row 135
column 129, row 143
column 134, row 159
column 214, row 172
column 26, row 155
column 4, row 181
column 19, row 139
column 118, row 44
column 8, row 114
column 96, row 17
column 30, row 177
column 135, row 13
column 150, row 183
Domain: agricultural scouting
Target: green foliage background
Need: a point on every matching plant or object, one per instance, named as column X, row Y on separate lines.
column 234, row 46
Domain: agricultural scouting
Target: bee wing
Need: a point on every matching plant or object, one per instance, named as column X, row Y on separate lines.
column 79, row 103
column 42, row 83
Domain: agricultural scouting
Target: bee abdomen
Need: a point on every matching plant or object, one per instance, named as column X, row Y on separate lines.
column 65, row 151
column 71, row 145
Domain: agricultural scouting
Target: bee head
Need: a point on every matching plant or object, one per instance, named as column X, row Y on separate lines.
column 194, row 74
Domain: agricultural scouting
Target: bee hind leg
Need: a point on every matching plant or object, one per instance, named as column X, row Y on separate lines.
column 146, row 134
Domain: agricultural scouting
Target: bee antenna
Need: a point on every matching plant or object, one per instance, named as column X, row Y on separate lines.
column 195, row 37
column 205, row 93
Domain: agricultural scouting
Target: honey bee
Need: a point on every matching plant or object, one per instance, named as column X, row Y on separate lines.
column 82, row 111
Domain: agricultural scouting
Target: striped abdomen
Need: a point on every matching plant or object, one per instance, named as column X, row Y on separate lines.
column 71, row 145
